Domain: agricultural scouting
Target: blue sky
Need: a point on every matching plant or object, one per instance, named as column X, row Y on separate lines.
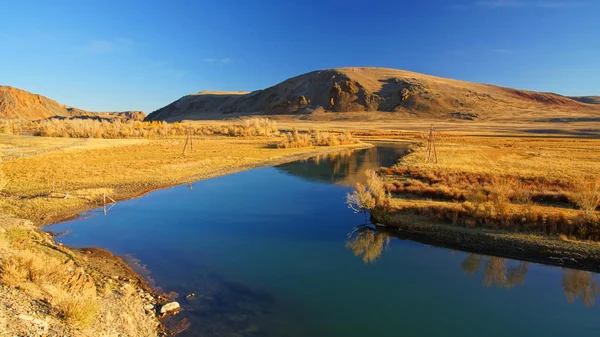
column 141, row 55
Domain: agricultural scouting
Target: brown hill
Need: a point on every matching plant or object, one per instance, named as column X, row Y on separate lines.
column 587, row 99
column 376, row 89
column 20, row 104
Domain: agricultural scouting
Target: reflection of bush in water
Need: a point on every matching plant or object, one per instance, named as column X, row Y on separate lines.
column 576, row 283
column 580, row 284
column 471, row 264
column 495, row 272
column 367, row 242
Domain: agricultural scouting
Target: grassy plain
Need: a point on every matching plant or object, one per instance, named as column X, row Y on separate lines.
column 58, row 184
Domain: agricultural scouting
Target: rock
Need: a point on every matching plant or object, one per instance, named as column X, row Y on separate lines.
column 173, row 306
column 26, row 317
column 148, row 307
column 404, row 94
column 41, row 324
column 303, row 101
column 2, row 230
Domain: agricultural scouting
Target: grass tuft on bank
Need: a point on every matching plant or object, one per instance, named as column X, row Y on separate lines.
column 76, row 295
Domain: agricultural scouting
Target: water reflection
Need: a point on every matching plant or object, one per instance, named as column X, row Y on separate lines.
column 369, row 242
column 346, row 167
column 580, row 284
column 496, row 272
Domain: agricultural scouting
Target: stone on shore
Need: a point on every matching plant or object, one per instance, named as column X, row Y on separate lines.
column 169, row 307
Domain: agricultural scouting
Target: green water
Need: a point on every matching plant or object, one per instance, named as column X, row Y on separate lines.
column 267, row 253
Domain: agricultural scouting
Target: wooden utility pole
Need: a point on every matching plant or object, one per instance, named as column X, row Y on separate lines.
column 188, row 140
column 431, row 152
column 112, row 203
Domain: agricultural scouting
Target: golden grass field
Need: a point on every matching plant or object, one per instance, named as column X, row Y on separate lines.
column 389, row 123
column 122, row 168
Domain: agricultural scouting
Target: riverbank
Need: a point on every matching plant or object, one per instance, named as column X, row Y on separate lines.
column 47, row 287
column 548, row 250
column 58, row 185
column 522, row 198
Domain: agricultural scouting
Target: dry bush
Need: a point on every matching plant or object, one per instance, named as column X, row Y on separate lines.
column 377, row 188
column 4, row 242
column 500, row 194
column 130, row 318
column 372, row 196
column 316, row 137
column 360, row 200
column 11, row 126
column 89, row 128
column 67, row 287
column 295, row 139
column 321, row 138
column 460, row 184
column 260, row 127
column 587, row 196
column 78, row 310
column 3, row 179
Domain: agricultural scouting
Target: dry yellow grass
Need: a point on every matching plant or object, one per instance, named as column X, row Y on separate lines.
column 81, row 295
column 377, row 124
column 514, row 184
column 524, row 157
column 124, row 169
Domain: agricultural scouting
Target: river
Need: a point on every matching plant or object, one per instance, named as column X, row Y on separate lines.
column 275, row 251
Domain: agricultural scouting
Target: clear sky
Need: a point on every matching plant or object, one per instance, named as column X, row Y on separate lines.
column 141, row 55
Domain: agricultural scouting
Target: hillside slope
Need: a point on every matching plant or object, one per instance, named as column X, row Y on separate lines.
column 20, row 104
column 587, row 99
column 406, row 93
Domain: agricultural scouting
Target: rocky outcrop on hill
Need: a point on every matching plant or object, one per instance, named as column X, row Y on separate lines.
column 20, row 104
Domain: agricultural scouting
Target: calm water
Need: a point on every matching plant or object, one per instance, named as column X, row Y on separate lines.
column 267, row 253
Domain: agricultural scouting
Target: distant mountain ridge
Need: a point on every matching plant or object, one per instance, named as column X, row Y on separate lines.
column 20, row 104
column 587, row 99
column 368, row 89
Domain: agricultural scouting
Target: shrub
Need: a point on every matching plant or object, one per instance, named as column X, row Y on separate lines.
column 77, row 309
column 377, row 188
column 360, row 200
column 67, row 287
column 316, row 137
column 295, row 139
column 500, row 194
column 587, row 196
column 86, row 128
column 372, row 196
column 3, row 179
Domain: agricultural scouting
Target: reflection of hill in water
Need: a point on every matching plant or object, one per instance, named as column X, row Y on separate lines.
column 346, row 167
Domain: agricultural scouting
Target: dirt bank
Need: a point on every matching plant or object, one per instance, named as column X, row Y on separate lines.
column 583, row 255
